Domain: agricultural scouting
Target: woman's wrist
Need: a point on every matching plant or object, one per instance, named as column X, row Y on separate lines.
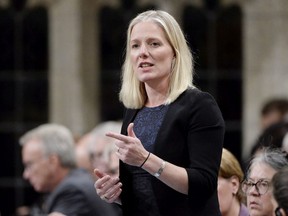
column 160, row 170
column 145, row 160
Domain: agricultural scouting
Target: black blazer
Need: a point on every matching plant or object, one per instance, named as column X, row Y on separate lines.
column 191, row 136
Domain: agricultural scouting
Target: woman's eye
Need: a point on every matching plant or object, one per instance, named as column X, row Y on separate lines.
column 155, row 44
column 133, row 46
column 264, row 184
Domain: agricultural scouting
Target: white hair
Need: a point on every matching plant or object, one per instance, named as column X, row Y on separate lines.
column 100, row 132
column 54, row 139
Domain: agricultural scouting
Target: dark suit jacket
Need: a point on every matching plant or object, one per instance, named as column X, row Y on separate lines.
column 76, row 196
column 191, row 136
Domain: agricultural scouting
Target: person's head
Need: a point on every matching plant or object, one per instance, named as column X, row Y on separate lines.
column 229, row 181
column 99, row 148
column 156, row 53
column 257, row 185
column 273, row 111
column 111, row 159
column 48, row 155
column 271, row 137
column 280, row 191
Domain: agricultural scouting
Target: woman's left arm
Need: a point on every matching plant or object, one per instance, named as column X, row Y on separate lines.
column 174, row 176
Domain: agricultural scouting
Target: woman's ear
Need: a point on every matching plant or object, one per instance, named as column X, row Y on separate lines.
column 235, row 184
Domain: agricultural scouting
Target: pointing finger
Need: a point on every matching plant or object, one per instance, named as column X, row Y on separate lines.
column 118, row 136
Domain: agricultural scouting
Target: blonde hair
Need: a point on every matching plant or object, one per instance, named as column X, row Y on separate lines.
column 132, row 93
column 230, row 167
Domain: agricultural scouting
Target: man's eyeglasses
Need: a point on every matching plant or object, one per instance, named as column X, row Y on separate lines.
column 277, row 211
column 261, row 186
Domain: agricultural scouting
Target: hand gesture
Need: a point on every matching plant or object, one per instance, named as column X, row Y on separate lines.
column 130, row 149
column 107, row 187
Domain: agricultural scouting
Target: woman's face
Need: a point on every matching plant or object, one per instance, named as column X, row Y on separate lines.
column 151, row 54
column 226, row 189
column 260, row 205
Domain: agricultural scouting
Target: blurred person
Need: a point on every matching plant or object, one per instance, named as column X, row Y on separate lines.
column 96, row 150
column 110, row 158
column 231, row 198
column 171, row 140
column 83, row 156
column 280, row 192
column 48, row 156
column 257, row 185
column 273, row 125
column 103, row 150
column 272, row 137
column 273, row 111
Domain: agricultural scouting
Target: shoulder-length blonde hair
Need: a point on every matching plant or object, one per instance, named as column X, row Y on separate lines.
column 132, row 93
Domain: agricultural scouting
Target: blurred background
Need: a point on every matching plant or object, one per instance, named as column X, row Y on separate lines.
column 60, row 61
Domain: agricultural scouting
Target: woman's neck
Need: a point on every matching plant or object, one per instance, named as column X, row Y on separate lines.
column 155, row 97
column 155, row 103
column 234, row 210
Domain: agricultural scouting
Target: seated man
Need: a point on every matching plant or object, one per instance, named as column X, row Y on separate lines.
column 49, row 162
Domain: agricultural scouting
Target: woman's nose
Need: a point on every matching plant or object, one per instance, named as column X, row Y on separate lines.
column 143, row 51
column 253, row 191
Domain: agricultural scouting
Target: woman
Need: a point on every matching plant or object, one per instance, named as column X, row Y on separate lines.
column 230, row 196
column 171, row 140
column 280, row 192
column 257, row 186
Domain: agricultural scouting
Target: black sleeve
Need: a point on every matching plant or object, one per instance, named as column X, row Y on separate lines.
column 205, row 142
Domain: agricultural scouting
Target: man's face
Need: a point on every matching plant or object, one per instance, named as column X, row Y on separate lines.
column 37, row 169
column 98, row 154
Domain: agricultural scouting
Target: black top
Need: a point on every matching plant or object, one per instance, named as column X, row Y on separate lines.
column 190, row 136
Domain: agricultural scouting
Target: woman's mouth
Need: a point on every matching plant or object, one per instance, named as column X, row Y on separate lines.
column 145, row 65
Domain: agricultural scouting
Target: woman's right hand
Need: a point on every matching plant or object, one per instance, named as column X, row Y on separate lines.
column 108, row 188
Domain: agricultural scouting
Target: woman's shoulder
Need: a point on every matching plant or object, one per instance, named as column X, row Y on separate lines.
column 193, row 101
column 196, row 95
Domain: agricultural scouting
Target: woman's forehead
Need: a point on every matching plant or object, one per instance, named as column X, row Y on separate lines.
column 146, row 28
column 261, row 170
